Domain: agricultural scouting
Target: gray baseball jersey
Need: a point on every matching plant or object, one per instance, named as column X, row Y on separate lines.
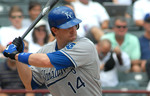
column 80, row 80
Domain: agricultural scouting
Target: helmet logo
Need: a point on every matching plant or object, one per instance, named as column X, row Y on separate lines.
column 68, row 14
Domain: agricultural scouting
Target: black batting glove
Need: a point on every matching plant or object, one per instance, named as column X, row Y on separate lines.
column 19, row 44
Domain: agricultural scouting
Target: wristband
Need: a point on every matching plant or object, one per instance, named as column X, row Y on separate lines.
column 23, row 57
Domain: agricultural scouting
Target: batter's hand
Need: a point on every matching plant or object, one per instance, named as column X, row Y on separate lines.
column 19, row 44
column 10, row 51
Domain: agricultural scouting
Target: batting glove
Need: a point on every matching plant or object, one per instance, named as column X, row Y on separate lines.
column 19, row 44
column 10, row 51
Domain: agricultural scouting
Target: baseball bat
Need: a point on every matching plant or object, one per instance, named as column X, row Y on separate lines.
column 49, row 5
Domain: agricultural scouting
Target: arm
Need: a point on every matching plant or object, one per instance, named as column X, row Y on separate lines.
column 38, row 60
column 3, row 94
column 97, row 33
column 25, row 74
column 51, row 37
column 58, row 59
column 126, row 63
column 118, row 53
column 1, row 48
column 115, row 1
column 138, row 14
column 139, row 22
column 105, row 24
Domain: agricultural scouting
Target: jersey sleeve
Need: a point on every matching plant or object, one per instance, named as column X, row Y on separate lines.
column 37, row 80
column 59, row 60
column 80, row 53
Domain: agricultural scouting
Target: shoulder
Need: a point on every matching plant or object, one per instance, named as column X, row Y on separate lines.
column 80, row 43
column 5, row 28
column 96, row 5
column 141, row 38
column 131, row 36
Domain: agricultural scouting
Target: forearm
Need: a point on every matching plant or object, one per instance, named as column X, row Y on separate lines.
column 38, row 60
column 25, row 74
column 139, row 22
column 105, row 24
column 115, row 1
column 3, row 94
column 119, row 59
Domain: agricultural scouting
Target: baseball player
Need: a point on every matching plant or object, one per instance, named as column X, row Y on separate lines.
column 68, row 66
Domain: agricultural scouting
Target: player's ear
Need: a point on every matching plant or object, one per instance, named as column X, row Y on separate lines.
column 54, row 30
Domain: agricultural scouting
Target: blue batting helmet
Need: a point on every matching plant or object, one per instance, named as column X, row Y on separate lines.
column 62, row 17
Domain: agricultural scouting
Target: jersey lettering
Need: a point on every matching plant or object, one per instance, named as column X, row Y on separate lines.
column 79, row 83
column 59, row 74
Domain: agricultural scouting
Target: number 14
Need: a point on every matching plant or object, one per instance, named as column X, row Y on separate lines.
column 80, row 83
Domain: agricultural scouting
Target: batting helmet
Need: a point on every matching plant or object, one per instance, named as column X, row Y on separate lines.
column 62, row 17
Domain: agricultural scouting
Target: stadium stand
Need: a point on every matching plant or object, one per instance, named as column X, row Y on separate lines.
column 141, row 78
column 132, row 78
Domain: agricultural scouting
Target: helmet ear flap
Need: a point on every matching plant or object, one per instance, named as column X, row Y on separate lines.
column 77, row 26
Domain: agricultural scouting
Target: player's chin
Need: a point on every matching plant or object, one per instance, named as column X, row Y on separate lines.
column 73, row 38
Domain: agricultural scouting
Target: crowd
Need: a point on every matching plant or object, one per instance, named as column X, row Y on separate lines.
column 118, row 49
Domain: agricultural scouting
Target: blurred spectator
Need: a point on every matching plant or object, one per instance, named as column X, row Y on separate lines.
column 140, row 9
column 68, row 1
column 148, row 73
column 92, row 20
column 145, row 39
column 144, row 42
column 127, row 42
column 7, row 34
column 145, row 46
column 9, row 77
column 26, row 46
column 112, row 61
column 39, row 37
column 94, row 34
column 102, row 1
column 1, row 48
column 126, row 2
column 91, row 13
column 34, row 10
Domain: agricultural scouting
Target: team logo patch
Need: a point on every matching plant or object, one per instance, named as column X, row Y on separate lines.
column 70, row 45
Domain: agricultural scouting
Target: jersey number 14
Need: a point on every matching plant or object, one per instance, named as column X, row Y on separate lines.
column 80, row 84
